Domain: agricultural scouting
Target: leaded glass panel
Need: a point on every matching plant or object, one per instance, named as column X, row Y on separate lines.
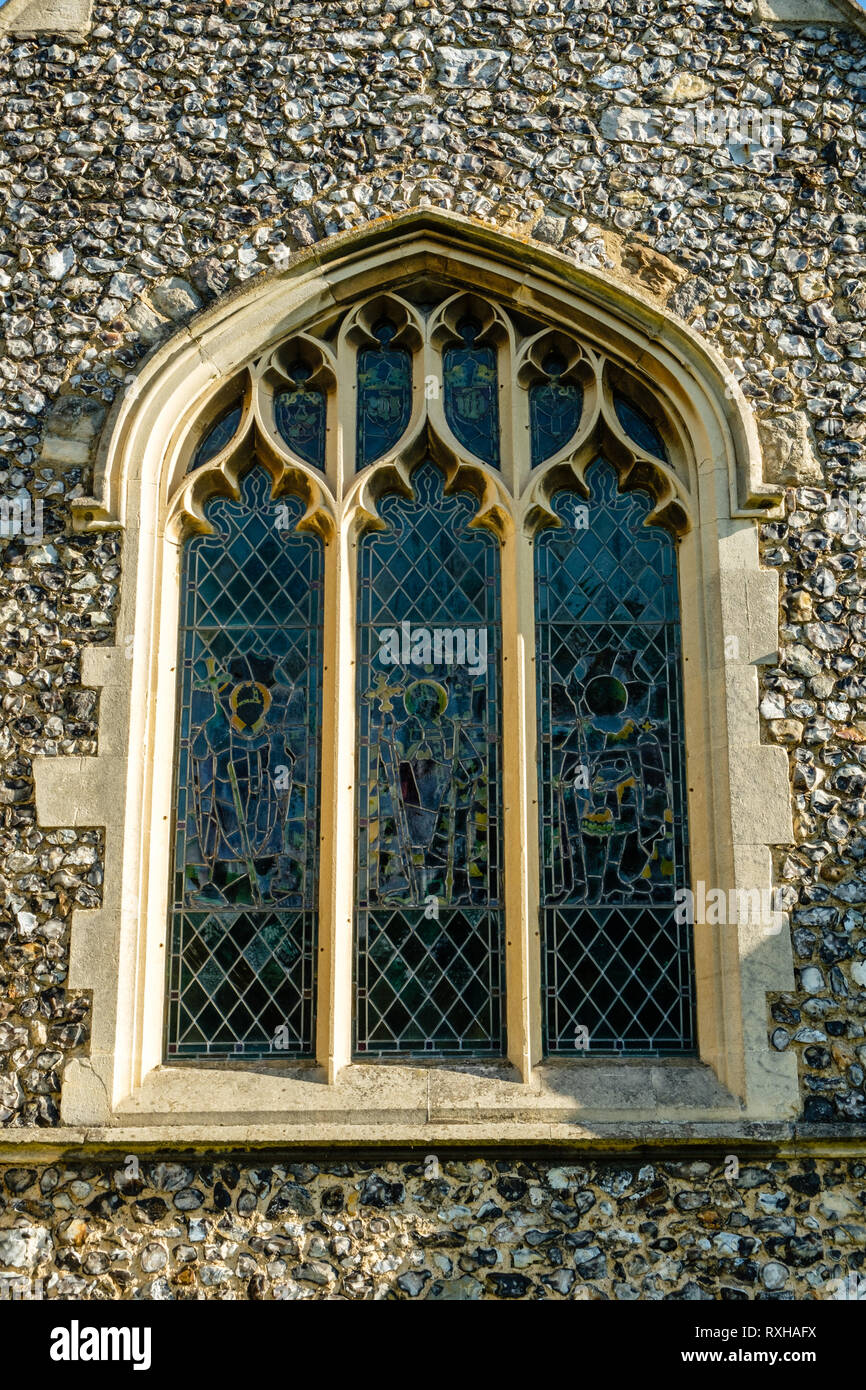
column 638, row 426
column 384, row 395
column 242, row 962
column 554, row 409
column 471, row 397
column 300, row 415
column 611, row 778
column 429, row 916
column 217, row 437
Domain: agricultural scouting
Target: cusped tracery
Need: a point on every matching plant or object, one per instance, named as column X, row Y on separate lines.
column 431, row 428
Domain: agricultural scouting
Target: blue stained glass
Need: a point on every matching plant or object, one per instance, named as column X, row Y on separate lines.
column 384, row 395
column 612, row 796
column 300, row 415
column 471, row 396
column 429, row 958
column 555, row 408
column 217, row 437
column 242, row 964
column 639, row 427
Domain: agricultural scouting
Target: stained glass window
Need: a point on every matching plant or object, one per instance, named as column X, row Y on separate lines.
column 554, row 407
column 611, row 763
column 384, row 394
column 429, row 917
column 638, row 426
column 471, row 396
column 217, row 437
column 242, row 963
column 300, row 416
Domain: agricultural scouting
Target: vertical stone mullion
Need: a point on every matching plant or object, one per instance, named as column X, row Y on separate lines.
column 520, row 831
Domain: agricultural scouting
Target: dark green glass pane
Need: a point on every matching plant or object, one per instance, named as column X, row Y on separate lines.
column 639, row 427
column 217, row 437
column 554, row 411
column 384, row 395
column 429, row 920
column 246, row 858
column 612, row 796
column 471, row 397
column 300, row 415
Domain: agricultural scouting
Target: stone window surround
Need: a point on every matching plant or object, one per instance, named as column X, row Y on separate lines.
column 23, row 18
column 739, row 803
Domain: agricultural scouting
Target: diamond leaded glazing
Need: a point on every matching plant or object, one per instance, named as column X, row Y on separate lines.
column 242, row 962
column 429, row 919
column 638, row 426
column 217, row 437
column 618, row 973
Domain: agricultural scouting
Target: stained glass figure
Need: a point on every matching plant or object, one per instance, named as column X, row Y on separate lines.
column 300, row 415
column 471, row 396
column 217, row 437
column 242, row 967
column 555, row 408
column 611, row 778
column 384, row 394
column 638, row 426
column 429, row 915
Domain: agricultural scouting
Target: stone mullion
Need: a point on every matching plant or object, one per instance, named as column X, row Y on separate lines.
column 520, row 806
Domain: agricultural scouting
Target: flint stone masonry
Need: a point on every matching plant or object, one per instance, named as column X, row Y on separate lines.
column 443, row 1229
column 175, row 152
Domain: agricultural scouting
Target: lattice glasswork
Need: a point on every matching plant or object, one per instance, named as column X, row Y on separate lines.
column 242, row 966
column 384, row 395
column 429, row 957
column 638, row 426
column 217, row 437
column 611, row 778
column 471, row 397
column 555, row 408
column 300, row 415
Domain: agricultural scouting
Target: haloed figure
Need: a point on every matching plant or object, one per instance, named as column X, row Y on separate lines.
column 614, row 816
column 242, row 778
column 432, row 799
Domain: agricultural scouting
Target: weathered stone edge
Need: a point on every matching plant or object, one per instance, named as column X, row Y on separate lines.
column 773, row 1140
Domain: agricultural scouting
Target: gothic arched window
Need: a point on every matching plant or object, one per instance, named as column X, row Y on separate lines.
column 430, row 910
column 441, row 557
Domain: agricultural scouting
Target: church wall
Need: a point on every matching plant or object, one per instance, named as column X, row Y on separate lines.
column 476, row 1227
column 174, row 154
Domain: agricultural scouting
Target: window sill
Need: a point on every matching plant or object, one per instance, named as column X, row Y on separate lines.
column 399, row 1103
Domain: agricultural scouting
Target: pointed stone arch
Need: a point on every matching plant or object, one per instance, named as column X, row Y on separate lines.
column 711, row 492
